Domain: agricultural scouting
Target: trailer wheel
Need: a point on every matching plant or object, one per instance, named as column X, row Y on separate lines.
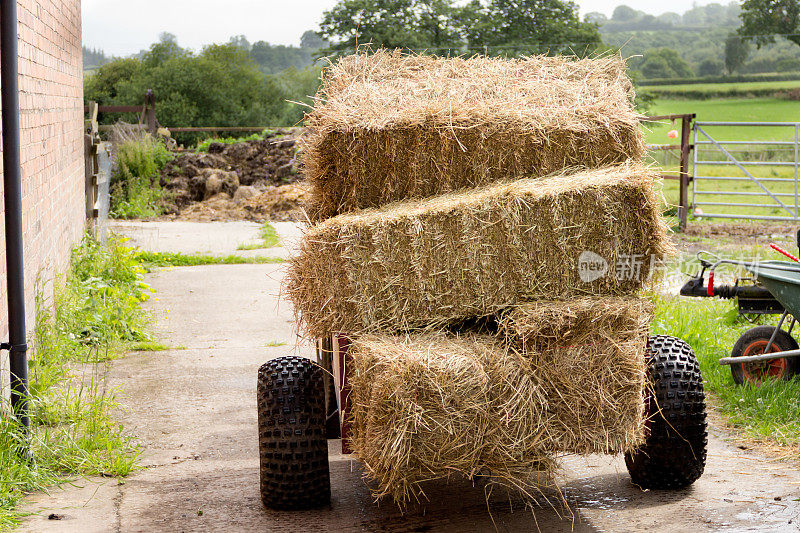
column 674, row 453
column 291, row 433
column 753, row 342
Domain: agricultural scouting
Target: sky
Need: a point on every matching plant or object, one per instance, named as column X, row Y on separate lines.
column 123, row 27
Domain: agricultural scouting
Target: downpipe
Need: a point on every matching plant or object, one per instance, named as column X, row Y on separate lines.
column 12, row 199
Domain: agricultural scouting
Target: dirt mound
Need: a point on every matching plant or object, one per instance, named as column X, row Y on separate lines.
column 251, row 180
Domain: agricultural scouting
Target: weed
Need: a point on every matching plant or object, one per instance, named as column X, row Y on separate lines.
column 93, row 315
column 269, row 238
column 167, row 259
column 203, row 146
column 148, row 346
column 274, row 344
column 766, row 412
column 135, row 189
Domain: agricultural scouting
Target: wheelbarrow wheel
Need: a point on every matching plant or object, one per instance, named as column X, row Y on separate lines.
column 674, row 453
column 293, row 449
column 753, row 342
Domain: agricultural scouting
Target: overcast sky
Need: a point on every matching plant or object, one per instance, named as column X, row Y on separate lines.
column 122, row 27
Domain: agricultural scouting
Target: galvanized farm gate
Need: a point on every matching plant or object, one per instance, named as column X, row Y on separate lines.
column 753, row 180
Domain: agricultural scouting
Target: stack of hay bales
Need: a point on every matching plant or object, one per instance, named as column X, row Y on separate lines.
column 453, row 203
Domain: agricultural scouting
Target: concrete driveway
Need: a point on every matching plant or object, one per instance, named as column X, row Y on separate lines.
column 193, row 410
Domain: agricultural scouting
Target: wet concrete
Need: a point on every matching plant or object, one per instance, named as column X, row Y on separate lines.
column 193, row 411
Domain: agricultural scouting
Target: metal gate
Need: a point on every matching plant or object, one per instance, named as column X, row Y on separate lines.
column 754, row 180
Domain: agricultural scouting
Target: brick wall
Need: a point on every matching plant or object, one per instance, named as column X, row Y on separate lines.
column 51, row 122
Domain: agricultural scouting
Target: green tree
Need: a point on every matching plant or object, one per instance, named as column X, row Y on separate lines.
column 710, row 67
column 386, row 23
column 763, row 19
column 104, row 85
column 664, row 63
column 539, row 26
column 736, row 52
column 624, row 13
column 312, row 41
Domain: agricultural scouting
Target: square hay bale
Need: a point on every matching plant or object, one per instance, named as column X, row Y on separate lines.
column 430, row 406
column 387, row 127
column 559, row 377
column 588, row 355
column 474, row 253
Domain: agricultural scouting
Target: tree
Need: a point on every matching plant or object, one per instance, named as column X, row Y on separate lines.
column 508, row 27
column 380, row 23
column 624, row 13
column 312, row 41
column 710, row 67
column 736, row 52
column 763, row 19
column 539, row 26
column 665, row 63
column 595, row 17
column 240, row 41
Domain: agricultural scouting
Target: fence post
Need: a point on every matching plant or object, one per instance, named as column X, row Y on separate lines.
column 683, row 210
column 150, row 112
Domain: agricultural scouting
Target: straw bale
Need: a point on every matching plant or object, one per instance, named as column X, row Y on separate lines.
column 388, row 127
column 588, row 354
column 429, row 406
column 473, row 253
column 563, row 376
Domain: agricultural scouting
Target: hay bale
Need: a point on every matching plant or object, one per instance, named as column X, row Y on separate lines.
column 389, row 127
column 562, row 376
column 588, row 355
column 471, row 254
column 430, row 406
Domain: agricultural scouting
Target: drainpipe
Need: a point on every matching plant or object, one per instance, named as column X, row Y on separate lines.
column 12, row 198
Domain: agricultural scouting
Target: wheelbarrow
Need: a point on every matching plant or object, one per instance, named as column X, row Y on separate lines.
column 763, row 352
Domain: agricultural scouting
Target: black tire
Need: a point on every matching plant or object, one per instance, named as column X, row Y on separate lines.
column 753, row 342
column 291, row 433
column 674, row 453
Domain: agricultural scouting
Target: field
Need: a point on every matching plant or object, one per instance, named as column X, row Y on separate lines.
column 729, row 110
column 752, row 89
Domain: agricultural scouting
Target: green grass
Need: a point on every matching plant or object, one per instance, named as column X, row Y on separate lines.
column 702, row 91
column 769, row 412
column 203, row 145
column 274, row 344
column 173, row 259
column 92, row 317
column 135, row 188
column 726, row 110
column 741, row 86
column 269, row 238
column 148, row 346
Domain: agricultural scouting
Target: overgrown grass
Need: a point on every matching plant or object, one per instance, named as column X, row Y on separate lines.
column 269, row 238
column 203, row 145
column 769, row 412
column 93, row 315
column 135, row 188
column 173, row 259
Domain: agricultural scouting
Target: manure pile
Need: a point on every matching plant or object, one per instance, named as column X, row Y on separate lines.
column 482, row 230
column 250, row 180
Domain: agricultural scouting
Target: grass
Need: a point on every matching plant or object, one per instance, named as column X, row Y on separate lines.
column 701, row 91
column 274, row 344
column 769, row 412
column 173, row 259
column 135, row 188
column 203, row 146
column 148, row 346
column 726, row 110
column 269, row 238
column 92, row 317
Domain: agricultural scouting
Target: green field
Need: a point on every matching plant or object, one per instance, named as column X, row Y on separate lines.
column 718, row 87
column 728, row 110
